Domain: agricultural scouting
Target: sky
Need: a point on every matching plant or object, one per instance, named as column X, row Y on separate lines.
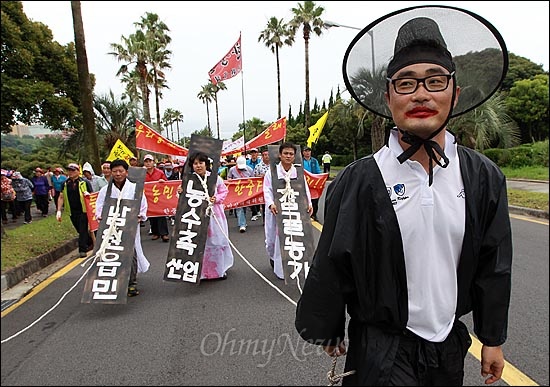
column 203, row 32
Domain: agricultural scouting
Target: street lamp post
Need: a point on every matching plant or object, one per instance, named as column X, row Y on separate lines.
column 330, row 24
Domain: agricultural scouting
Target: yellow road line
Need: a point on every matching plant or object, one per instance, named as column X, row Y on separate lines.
column 61, row 272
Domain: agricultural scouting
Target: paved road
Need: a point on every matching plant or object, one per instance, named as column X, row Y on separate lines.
column 528, row 185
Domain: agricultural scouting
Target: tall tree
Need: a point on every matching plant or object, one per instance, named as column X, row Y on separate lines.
column 85, row 85
column 307, row 16
column 39, row 76
column 275, row 35
column 206, row 96
column 133, row 50
column 215, row 88
column 157, row 40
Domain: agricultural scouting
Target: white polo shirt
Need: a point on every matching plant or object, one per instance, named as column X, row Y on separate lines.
column 432, row 224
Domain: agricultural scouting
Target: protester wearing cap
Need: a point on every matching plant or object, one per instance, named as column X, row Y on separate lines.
column 240, row 171
column 311, row 164
column 417, row 235
column 105, row 174
column 8, row 198
column 134, row 161
column 41, row 191
column 23, row 190
column 71, row 199
column 159, row 224
column 252, row 162
column 57, row 182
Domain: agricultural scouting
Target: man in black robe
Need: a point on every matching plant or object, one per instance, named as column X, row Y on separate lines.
column 418, row 234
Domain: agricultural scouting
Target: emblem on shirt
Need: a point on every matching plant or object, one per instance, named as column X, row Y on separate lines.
column 461, row 194
column 399, row 189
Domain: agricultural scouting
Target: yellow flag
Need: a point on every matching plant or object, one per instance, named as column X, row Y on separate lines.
column 120, row 151
column 315, row 130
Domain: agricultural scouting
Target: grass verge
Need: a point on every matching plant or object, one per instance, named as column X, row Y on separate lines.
column 31, row 240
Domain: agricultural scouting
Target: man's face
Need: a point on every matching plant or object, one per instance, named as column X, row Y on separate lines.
column 253, row 155
column 73, row 173
column 421, row 112
column 265, row 157
column 307, row 154
column 148, row 163
column 106, row 169
column 287, row 156
column 119, row 174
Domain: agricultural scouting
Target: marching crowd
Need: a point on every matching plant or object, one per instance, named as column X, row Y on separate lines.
column 68, row 186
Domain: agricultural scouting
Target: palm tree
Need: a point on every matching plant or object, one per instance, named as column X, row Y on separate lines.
column 215, row 88
column 157, row 54
column 206, row 96
column 85, row 84
column 178, row 117
column 115, row 119
column 275, row 35
column 168, row 120
column 489, row 125
column 308, row 16
column 133, row 50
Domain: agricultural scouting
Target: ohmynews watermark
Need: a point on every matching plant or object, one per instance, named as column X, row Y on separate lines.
column 218, row 344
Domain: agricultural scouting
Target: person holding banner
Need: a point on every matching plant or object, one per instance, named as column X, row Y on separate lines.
column 126, row 190
column 217, row 257
column 285, row 170
column 159, row 224
column 311, row 165
column 240, row 171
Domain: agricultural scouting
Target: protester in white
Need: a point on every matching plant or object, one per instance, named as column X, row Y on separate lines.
column 287, row 171
column 125, row 189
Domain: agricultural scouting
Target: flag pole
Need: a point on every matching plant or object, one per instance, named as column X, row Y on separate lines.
column 242, row 94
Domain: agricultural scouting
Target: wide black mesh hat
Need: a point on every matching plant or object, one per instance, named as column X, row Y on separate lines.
column 454, row 38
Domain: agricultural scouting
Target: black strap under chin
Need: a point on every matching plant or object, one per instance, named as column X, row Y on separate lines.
column 430, row 146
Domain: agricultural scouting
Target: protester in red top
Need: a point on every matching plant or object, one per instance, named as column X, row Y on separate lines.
column 159, row 224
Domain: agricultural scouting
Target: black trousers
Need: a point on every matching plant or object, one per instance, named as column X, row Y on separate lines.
column 159, row 225
column 422, row 363
column 80, row 223
column 315, row 205
column 42, row 203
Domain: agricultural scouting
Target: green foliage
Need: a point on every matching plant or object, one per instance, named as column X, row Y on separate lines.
column 520, row 68
column 527, row 103
column 31, row 240
column 39, row 76
column 535, row 154
column 27, row 153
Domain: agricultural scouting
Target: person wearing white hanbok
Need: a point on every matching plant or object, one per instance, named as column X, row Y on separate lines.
column 126, row 190
column 285, row 170
column 218, row 257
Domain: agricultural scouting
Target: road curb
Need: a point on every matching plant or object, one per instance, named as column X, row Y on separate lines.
column 528, row 211
column 13, row 276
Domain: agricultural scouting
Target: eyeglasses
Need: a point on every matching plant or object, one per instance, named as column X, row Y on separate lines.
column 432, row 83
